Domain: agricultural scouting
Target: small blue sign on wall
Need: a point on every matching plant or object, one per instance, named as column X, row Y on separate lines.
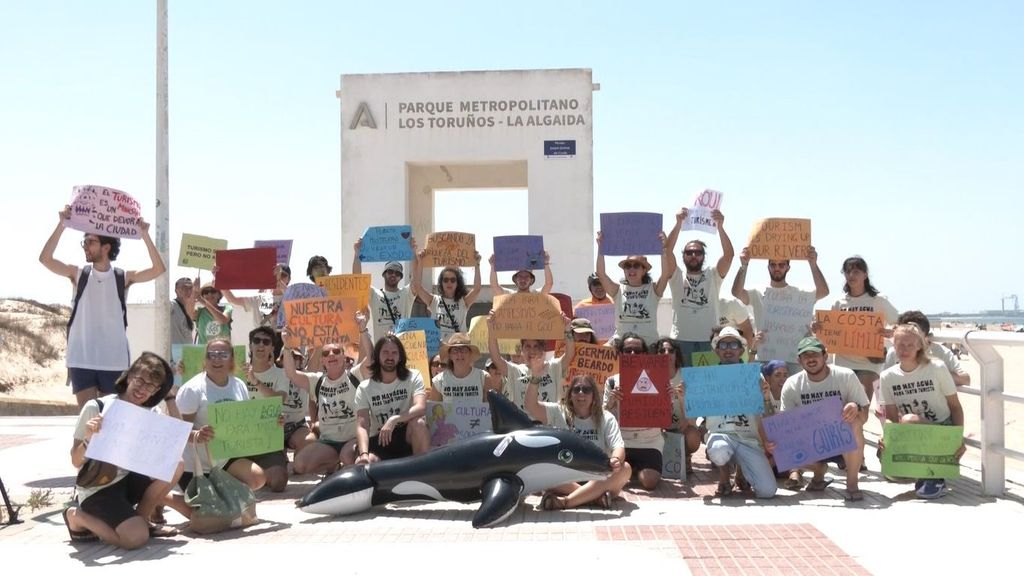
column 559, row 148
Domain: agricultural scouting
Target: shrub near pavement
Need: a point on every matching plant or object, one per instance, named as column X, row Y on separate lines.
column 32, row 344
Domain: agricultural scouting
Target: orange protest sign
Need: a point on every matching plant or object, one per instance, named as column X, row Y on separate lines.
column 598, row 362
column 528, row 315
column 313, row 322
column 355, row 286
column 450, row 249
column 415, row 344
column 780, row 239
column 851, row 333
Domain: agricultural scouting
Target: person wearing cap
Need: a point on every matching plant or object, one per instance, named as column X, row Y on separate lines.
column 118, row 512
column 817, row 381
column 583, row 331
column 265, row 305
column 598, row 295
column 97, row 351
column 183, row 312
column 449, row 306
column 738, row 439
column 460, row 379
column 213, row 319
column 685, row 426
column 392, row 303
column 777, row 303
column 696, row 288
column 523, row 279
column 547, row 374
column 636, row 296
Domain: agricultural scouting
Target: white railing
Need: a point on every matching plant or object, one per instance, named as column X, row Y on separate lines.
column 982, row 347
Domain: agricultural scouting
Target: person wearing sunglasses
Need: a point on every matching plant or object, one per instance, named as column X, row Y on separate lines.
column 118, row 512
column 549, row 374
column 391, row 303
column 448, row 307
column 738, row 439
column 579, row 410
column 213, row 319
column 636, row 296
column 460, row 379
column 523, row 279
column 696, row 288
column 687, row 427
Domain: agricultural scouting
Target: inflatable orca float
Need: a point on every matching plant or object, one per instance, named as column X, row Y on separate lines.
column 520, row 457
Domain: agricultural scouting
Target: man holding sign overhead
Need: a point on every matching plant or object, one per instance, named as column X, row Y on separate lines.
column 393, row 303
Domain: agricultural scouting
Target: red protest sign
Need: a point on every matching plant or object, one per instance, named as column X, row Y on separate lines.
column 644, row 381
column 246, row 268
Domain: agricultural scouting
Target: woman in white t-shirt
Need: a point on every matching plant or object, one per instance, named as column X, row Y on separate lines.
column 636, row 297
column 449, row 306
column 460, row 380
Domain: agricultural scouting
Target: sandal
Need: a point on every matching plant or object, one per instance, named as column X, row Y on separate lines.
column 78, row 535
column 158, row 531
column 551, row 501
column 605, row 501
column 854, row 496
column 818, row 485
column 742, row 484
column 793, row 483
column 724, row 489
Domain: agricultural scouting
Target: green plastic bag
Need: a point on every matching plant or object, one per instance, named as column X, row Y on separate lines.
column 219, row 501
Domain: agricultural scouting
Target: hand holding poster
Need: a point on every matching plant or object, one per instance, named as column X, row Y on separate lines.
column 921, row 450
column 386, row 243
column 723, row 390
column 672, row 461
column 282, row 249
column 199, row 251
column 851, row 333
column 630, row 233
column 246, row 268
column 598, row 362
column 105, row 212
column 355, row 286
column 528, row 315
column 780, row 239
column 429, row 328
column 140, row 440
column 809, row 434
column 478, row 336
column 783, row 317
column 698, row 217
column 415, row 344
column 314, row 322
column 450, row 249
column 246, row 428
column 518, row 253
column 452, row 421
column 644, row 381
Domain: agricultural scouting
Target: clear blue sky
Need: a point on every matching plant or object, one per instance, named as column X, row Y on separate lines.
column 897, row 127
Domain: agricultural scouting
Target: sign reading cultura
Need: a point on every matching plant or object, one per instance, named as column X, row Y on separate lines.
column 511, row 113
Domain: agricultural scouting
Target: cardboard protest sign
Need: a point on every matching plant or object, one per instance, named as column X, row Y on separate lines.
column 780, row 239
column 246, row 268
column 783, row 316
column 199, row 251
column 429, row 328
column 415, row 344
column 672, row 461
column 452, row 421
column 193, row 356
column 698, row 217
column 809, row 434
column 313, row 322
column 518, row 253
column 630, row 233
column 921, row 450
column 282, row 249
column 528, row 315
column 644, row 380
column 851, row 333
column 140, row 440
column 724, row 390
column 602, row 319
column 105, row 212
column 245, row 428
column 478, row 335
column 355, row 286
column 386, row 243
column 298, row 291
column 450, row 249
column 598, row 362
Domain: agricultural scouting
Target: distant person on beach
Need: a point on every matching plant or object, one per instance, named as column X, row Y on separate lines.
column 937, row 351
column 183, row 312
column 781, row 294
column 97, row 351
column 523, row 279
column 390, row 304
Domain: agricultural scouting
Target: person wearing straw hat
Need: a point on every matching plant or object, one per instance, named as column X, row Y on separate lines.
column 461, row 380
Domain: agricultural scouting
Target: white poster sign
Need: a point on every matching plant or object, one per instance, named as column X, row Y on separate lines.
column 140, row 440
column 698, row 217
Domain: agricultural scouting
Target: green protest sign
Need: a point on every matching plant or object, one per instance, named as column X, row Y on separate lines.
column 246, row 428
column 192, row 357
column 921, row 450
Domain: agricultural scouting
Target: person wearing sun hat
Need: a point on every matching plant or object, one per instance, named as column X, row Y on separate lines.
column 461, row 380
column 636, row 296
column 392, row 303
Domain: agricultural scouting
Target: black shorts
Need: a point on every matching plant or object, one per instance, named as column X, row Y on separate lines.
column 290, row 428
column 116, row 503
column 644, row 458
column 399, row 446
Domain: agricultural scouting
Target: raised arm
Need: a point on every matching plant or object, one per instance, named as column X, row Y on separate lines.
column 549, row 280
column 673, row 235
column 611, row 287
column 492, row 346
column 668, row 265
column 46, row 258
column 739, row 284
column 156, row 263
column 570, row 342
column 288, row 365
column 235, row 300
column 365, row 344
column 416, row 281
column 475, row 292
column 532, row 403
column 218, row 315
column 357, row 265
column 820, row 284
column 495, row 287
column 725, row 262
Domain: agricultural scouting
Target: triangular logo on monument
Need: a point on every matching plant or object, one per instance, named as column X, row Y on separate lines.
column 363, row 118
column 644, row 384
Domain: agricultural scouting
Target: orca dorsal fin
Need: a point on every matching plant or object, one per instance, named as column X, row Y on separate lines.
column 505, row 416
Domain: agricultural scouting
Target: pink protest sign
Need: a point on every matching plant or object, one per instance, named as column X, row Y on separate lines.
column 105, row 212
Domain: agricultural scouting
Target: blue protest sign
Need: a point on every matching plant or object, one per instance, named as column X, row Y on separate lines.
column 809, row 434
column 630, row 233
column 298, row 291
column 518, row 253
column 726, row 390
column 386, row 243
column 429, row 327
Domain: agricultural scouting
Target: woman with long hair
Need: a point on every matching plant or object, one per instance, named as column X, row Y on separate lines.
column 637, row 295
column 449, row 306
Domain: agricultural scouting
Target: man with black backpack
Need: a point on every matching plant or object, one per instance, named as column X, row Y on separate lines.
column 97, row 338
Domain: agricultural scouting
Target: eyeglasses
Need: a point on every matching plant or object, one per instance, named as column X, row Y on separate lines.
column 450, row 280
column 632, row 351
column 730, row 345
column 667, row 350
column 86, row 242
column 582, row 389
column 630, row 265
column 138, row 381
column 693, row 252
column 332, row 351
column 218, row 354
column 262, row 341
column 437, row 364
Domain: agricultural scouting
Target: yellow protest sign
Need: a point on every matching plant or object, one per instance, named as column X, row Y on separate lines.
column 355, row 286
column 415, row 344
column 598, row 362
column 450, row 249
column 317, row 321
column 851, row 333
column 528, row 315
column 199, row 251
column 780, row 239
column 478, row 335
